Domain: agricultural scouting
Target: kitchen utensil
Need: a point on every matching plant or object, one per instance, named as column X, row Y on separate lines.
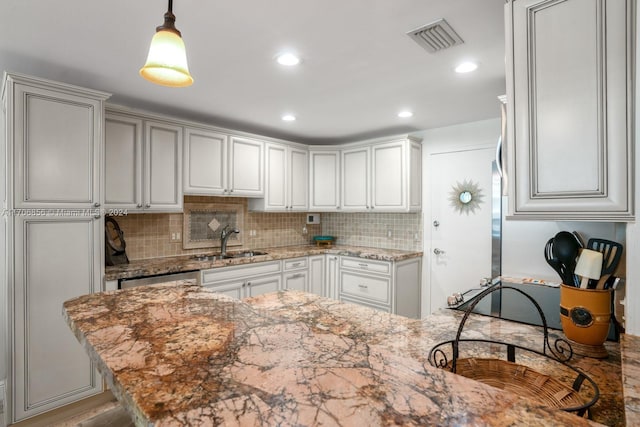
column 611, row 254
column 552, row 260
column 566, row 248
column 579, row 238
column 589, row 266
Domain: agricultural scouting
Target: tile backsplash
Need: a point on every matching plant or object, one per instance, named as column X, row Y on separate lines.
column 379, row 230
column 149, row 235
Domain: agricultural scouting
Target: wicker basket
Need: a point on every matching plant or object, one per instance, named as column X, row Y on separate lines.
column 515, row 378
column 520, row 380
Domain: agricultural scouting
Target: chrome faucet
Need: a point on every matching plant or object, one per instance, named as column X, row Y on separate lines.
column 224, row 236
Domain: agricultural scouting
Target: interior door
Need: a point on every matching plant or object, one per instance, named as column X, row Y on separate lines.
column 460, row 246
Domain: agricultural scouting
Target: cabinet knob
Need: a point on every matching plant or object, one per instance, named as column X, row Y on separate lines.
column 438, row 251
column 224, row 191
column 96, row 204
column 139, row 205
column 231, row 191
column 363, row 286
column 96, row 216
column 248, row 283
column 148, row 205
column 337, row 207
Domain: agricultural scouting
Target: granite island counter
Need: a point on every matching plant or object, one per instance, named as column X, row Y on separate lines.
column 178, row 354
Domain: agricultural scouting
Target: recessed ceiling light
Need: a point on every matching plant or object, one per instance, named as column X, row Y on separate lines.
column 289, row 118
column 466, row 67
column 289, row 59
column 405, row 114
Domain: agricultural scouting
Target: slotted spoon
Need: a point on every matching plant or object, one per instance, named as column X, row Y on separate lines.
column 611, row 254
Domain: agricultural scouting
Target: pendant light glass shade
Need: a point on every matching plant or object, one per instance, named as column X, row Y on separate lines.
column 167, row 60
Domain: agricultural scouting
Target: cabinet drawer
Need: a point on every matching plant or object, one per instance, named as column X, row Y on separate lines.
column 381, row 267
column 375, row 289
column 295, row 263
column 240, row 271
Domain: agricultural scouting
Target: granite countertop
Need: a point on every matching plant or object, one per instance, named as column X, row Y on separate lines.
column 177, row 264
column 177, row 354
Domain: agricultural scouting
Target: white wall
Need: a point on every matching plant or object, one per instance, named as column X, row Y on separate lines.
column 466, row 136
column 522, row 241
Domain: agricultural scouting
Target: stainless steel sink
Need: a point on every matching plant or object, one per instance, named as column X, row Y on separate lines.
column 246, row 254
column 205, row 257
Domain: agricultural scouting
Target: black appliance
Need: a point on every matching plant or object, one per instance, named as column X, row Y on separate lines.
column 114, row 243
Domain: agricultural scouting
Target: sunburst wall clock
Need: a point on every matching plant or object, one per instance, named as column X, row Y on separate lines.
column 466, row 197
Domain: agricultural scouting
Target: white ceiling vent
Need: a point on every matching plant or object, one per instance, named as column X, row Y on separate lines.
column 435, row 36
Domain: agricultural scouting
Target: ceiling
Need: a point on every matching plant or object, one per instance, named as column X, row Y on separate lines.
column 358, row 70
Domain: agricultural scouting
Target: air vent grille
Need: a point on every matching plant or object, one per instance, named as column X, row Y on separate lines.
column 435, row 36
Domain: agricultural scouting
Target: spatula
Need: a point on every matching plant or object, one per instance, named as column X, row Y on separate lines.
column 611, row 254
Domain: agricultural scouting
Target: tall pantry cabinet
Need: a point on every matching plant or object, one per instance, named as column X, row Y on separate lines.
column 53, row 237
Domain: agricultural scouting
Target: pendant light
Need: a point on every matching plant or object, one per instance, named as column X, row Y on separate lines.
column 167, row 60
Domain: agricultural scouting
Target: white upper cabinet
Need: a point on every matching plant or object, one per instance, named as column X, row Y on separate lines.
column 143, row 163
column 223, row 165
column 205, row 162
column 384, row 177
column 356, row 179
column 570, row 109
column 286, row 179
column 163, row 166
column 50, row 125
column 246, row 162
column 324, row 180
column 123, row 162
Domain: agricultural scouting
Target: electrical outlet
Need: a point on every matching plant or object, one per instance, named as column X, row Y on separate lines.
column 175, row 237
column 389, row 234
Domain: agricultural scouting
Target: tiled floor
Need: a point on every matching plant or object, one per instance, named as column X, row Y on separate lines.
column 108, row 415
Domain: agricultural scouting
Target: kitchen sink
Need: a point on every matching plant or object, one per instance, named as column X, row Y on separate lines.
column 205, row 257
column 246, row 254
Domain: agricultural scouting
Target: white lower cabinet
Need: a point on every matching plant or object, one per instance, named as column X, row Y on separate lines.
column 295, row 274
column 389, row 286
column 51, row 369
column 317, row 275
column 244, row 280
column 332, row 268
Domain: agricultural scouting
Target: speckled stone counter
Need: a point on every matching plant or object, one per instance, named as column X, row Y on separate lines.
column 165, row 265
column 178, row 355
column 630, row 348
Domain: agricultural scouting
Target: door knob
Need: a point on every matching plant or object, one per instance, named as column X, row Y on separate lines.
column 438, row 251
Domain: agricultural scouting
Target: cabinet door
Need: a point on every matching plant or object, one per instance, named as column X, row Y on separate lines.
column 205, row 162
column 56, row 259
column 355, row 179
column 57, row 141
column 297, row 280
column 247, row 167
column 331, row 274
column 298, row 179
column 276, row 184
column 263, row 285
column 123, row 162
column 389, row 176
column 324, row 191
column 232, row 288
column 317, row 275
column 163, row 166
column 415, row 176
column 570, row 128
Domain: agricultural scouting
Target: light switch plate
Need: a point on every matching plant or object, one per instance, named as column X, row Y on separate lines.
column 313, row 218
